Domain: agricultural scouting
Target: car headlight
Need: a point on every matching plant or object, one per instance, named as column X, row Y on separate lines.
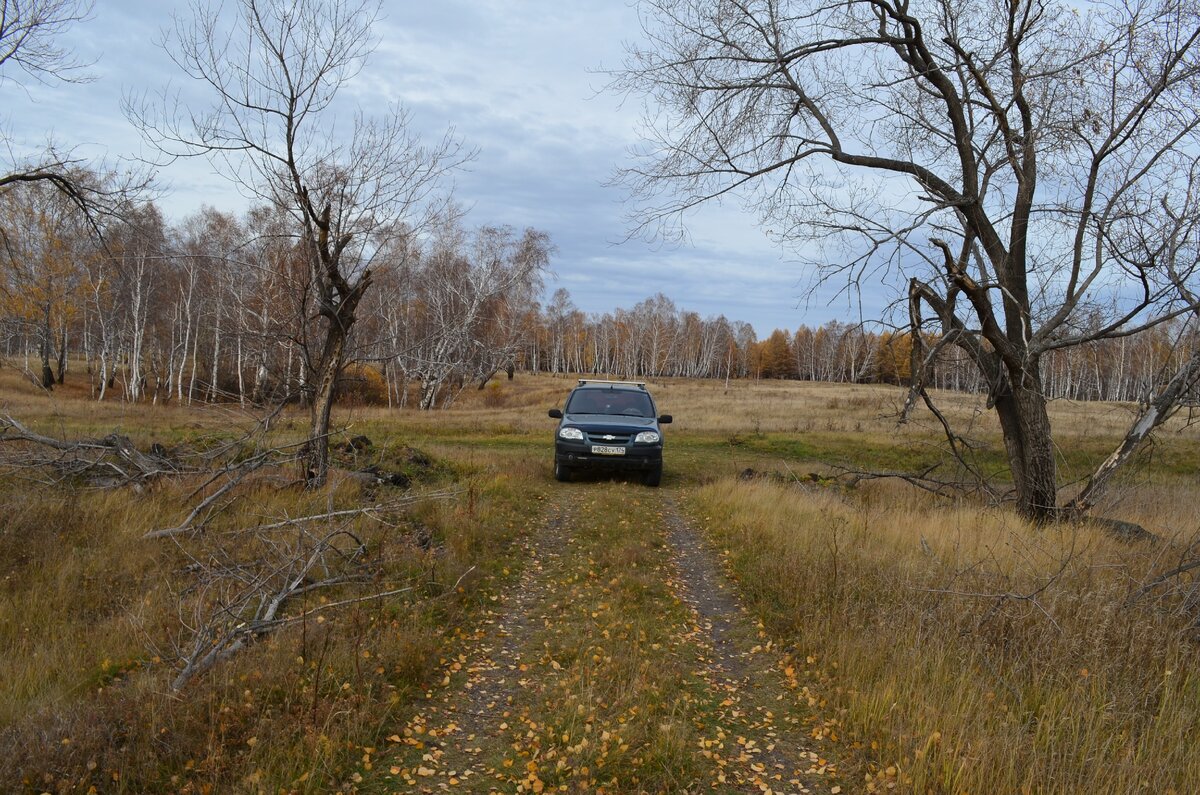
column 570, row 433
column 650, row 437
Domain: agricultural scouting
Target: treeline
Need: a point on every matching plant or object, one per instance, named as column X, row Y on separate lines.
column 218, row 306
column 656, row 339
column 214, row 308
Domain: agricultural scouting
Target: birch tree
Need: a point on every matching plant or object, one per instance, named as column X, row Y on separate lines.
column 467, row 285
column 44, row 245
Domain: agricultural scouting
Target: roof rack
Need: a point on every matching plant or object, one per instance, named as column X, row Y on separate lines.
column 639, row 384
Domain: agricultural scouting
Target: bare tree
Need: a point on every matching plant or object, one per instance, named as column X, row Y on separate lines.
column 466, row 287
column 274, row 70
column 29, row 50
column 1021, row 165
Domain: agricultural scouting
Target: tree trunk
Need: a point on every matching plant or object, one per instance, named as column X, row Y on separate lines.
column 241, row 379
column 316, row 451
column 195, row 360
column 1025, row 424
column 62, row 354
column 429, row 390
column 216, row 356
column 339, row 319
column 183, row 360
column 47, row 372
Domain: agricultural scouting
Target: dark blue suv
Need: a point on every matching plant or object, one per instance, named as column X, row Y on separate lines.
column 609, row 425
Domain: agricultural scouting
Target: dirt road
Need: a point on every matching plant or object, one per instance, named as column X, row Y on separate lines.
column 621, row 661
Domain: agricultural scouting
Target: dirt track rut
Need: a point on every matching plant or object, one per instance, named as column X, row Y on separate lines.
column 621, row 661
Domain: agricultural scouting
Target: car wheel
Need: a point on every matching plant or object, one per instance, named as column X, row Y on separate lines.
column 653, row 477
column 561, row 473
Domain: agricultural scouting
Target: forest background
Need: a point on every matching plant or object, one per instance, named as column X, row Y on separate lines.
column 210, row 309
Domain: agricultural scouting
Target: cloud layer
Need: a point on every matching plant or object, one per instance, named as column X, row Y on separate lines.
column 524, row 84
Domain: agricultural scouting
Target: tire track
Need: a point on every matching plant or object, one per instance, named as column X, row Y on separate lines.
column 449, row 744
column 758, row 740
column 620, row 589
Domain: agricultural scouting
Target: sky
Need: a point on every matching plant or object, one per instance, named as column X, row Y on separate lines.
column 522, row 82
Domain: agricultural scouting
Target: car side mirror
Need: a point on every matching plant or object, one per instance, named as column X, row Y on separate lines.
column 555, row 414
column 664, row 419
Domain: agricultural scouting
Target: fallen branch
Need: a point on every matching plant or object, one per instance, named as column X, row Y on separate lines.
column 999, row 599
column 365, row 510
column 283, row 622
column 922, row 480
column 187, row 524
column 236, row 600
column 251, row 611
column 113, row 456
column 1162, row 579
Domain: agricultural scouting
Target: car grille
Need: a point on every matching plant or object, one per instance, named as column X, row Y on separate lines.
column 615, row 439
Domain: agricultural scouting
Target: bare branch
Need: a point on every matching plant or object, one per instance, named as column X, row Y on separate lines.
column 29, row 30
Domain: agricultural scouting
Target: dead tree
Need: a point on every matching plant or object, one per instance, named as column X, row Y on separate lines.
column 273, row 71
column 1004, row 164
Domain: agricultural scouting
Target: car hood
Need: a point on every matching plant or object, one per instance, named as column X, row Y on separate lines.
column 610, row 422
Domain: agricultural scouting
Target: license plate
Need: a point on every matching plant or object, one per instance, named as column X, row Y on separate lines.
column 600, row 449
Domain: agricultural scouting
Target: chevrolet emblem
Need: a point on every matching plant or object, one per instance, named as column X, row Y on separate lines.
column 608, row 437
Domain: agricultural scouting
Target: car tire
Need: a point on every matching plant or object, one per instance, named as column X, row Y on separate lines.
column 561, row 473
column 653, row 477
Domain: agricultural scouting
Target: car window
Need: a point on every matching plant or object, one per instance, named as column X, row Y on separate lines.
column 611, row 401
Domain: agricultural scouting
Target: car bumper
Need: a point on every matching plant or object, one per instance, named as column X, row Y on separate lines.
column 580, row 456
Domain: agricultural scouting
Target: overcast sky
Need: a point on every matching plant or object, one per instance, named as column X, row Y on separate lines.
column 521, row 82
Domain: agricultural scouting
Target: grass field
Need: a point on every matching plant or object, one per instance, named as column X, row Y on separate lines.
column 908, row 642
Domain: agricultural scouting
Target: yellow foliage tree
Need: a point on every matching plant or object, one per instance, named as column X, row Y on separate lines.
column 44, row 249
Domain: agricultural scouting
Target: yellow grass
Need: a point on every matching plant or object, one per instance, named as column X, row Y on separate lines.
column 965, row 651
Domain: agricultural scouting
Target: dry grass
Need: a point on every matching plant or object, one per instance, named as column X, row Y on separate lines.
column 953, row 649
column 90, row 617
column 788, row 424
column 918, row 664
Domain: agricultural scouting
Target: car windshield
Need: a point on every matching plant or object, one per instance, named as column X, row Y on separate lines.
column 611, row 401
